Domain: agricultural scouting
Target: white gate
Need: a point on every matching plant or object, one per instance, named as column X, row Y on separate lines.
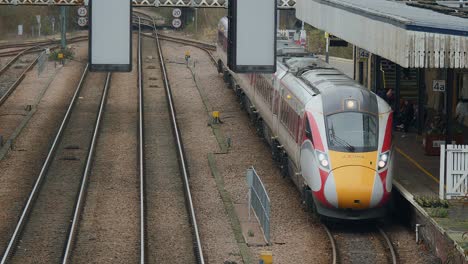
column 453, row 171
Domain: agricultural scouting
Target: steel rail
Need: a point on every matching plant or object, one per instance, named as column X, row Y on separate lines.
column 389, row 244
column 10, row 90
column 382, row 233
column 26, row 51
column 141, row 153
column 38, row 49
column 13, row 60
column 333, row 244
column 180, row 151
column 84, row 180
column 39, row 42
column 45, row 166
column 188, row 42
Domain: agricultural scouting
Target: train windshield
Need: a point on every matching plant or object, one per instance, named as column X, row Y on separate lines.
column 352, row 132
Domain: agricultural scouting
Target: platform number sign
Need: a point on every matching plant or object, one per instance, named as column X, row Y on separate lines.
column 176, row 12
column 438, row 85
column 176, row 23
column 364, row 54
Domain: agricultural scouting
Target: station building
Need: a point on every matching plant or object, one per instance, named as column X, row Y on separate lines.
column 418, row 53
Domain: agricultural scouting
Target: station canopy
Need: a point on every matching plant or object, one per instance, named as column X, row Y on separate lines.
column 409, row 36
column 281, row 4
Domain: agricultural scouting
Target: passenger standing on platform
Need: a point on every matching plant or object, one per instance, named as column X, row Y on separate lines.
column 390, row 97
column 407, row 115
column 461, row 111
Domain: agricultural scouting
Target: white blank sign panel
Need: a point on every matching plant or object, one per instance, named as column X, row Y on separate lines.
column 254, row 35
column 110, row 47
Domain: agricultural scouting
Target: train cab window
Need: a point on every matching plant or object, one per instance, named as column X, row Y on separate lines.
column 308, row 131
column 352, row 132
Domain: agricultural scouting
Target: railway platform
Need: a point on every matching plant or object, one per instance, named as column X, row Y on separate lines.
column 416, row 178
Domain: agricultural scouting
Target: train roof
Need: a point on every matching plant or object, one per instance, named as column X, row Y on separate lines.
column 287, row 48
column 318, row 76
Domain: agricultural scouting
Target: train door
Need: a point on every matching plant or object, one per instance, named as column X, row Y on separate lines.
column 299, row 133
column 276, row 106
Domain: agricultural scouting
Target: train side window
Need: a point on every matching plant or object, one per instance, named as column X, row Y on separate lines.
column 276, row 102
column 308, row 131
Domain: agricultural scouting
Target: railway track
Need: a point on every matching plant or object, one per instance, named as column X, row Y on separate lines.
column 208, row 48
column 47, row 228
column 14, row 72
column 342, row 241
column 198, row 44
column 41, row 231
column 33, row 46
column 169, row 211
column 360, row 244
column 22, row 62
column 345, row 237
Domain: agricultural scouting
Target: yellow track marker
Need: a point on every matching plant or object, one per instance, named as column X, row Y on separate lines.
column 417, row 165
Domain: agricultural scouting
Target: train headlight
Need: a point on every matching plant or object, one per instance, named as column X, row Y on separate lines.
column 384, row 157
column 351, row 104
column 324, row 163
column 383, row 160
column 323, row 159
column 382, row 164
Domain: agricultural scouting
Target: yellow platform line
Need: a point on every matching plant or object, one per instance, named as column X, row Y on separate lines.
column 415, row 163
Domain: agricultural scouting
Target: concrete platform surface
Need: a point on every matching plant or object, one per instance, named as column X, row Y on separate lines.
column 418, row 174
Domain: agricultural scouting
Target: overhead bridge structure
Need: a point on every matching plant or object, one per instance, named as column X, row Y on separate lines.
column 282, row 4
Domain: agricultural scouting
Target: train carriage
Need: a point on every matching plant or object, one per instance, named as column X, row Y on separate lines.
column 328, row 133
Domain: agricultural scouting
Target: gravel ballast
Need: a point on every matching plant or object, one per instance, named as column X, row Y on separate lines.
column 169, row 231
column 296, row 237
column 109, row 226
column 21, row 166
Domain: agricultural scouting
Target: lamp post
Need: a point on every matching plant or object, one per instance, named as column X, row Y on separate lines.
column 63, row 17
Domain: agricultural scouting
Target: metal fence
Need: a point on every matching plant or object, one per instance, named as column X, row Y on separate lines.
column 41, row 63
column 259, row 201
column 453, row 171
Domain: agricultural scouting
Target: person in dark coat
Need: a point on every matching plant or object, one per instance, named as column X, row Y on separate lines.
column 407, row 115
column 390, row 97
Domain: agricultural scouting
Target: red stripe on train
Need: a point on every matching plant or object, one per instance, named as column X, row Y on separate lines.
column 318, row 145
column 388, row 134
column 320, row 195
column 386, row 195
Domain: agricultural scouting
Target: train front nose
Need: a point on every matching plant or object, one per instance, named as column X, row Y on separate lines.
column 354, row 187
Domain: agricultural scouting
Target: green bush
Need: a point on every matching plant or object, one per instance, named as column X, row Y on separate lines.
column 438, row 212
column 67, row 54
column 431, row 202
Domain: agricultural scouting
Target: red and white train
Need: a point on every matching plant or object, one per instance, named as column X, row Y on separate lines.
column 332, row 136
